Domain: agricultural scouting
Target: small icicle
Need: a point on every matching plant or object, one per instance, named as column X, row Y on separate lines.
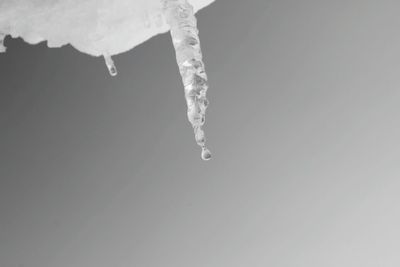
column 110, row 65
column 2, row 47
column 180, row 16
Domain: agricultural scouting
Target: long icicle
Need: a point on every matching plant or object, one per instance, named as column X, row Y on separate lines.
column 180, row 16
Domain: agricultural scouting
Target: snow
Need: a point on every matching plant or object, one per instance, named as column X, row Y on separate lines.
column 109, row 27
column 94, row 27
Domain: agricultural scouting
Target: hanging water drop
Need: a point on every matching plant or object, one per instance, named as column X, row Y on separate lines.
column 110, row 65
column 180, row 16
column 205, row 154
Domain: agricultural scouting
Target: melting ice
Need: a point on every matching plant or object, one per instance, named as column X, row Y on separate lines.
column 180, row 16
column 106, row 28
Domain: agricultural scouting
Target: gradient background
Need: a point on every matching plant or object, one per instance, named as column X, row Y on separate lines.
column 303, row 123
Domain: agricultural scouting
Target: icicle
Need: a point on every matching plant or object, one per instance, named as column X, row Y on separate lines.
column 110, row 65
column 2, row 47
column 180, row 16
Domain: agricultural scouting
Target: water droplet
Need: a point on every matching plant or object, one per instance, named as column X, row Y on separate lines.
column 113, row 71
column 205, row 154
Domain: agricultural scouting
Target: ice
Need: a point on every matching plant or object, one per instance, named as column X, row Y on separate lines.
column 95, row 27
column 110, row 65
column 184, row 33
column 205, row 154
column 110, row 27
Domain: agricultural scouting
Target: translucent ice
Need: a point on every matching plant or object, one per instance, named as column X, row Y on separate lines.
column 184, row 33
column 110, row 65
column 109, row 27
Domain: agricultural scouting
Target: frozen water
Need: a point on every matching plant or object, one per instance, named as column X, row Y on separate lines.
column 95, row 27
column 110, row 65
column 184, row 33
column 109, row 27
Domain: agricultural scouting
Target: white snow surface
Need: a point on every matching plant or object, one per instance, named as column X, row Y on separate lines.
column 95, row 27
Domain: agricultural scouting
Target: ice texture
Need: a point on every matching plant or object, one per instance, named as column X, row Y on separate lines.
column 95, row 27
column 109, row 27
column 184, row 33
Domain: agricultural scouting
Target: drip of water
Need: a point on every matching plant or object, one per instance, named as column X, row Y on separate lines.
column 205, row 153
column 110, row 65
column 180, row 16
column 2, row 47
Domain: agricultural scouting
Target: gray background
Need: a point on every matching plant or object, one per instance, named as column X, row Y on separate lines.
column 303, row 123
